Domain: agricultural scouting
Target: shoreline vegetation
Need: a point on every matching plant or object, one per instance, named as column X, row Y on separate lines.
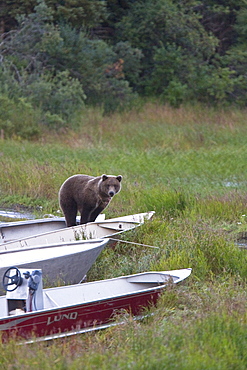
column 189, row 166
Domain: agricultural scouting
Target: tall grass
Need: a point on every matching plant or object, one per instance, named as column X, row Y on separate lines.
column 156, row 146
column 189, row 165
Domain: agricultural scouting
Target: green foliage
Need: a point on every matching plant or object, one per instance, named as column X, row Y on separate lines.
column 57, row 94
column 52, row 93
column 9, row 84
column 174, row 51
column 18, row 119
column 240, row 25
column 197, row 245
column 77, row 13
column 98, row 68
column 219, row 18
column 89, row 13
column 181, row 60
column 131, row 58
column 177, row 51
column 153, row 28
column 163, row 201
column 10, row 10
column 58, row 67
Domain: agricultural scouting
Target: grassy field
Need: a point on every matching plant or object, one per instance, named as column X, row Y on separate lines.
column 188, row 165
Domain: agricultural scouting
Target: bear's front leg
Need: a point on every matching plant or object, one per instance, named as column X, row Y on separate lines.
column 86, row 215
column 95, row 213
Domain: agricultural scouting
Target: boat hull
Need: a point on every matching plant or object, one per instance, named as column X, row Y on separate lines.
column 82, row 317
column 65, row 262
column 77, row 318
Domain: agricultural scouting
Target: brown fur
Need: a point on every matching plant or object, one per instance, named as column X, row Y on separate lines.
column 87, row 194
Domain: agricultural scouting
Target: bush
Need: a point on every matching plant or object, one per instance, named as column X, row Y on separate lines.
column 131, row 58
column 60, row 94
column 18, row 118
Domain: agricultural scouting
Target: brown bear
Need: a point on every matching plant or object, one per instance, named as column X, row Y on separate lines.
column 87, row 194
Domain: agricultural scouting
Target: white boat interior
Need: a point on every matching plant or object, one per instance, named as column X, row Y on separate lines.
column 67, row 296
column 16, row 230
column 71, row 234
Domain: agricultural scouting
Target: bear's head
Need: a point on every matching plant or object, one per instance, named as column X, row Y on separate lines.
column 110, row 185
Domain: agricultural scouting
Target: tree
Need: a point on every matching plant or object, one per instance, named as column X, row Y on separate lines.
column 9, row 10
column 219, row 18
column 77, row 13
column 57, row 67
column 25, row 65
column 169, row 36
column 236, row 58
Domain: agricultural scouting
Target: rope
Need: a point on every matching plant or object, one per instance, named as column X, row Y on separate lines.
column 142, row 245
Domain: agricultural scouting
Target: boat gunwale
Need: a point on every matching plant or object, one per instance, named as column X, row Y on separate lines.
column 4, row 224
column 99, row 241
column 32, row 221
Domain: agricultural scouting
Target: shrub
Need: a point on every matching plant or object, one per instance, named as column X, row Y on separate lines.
column 131, row 58
column 60, row 94
column 18, row 118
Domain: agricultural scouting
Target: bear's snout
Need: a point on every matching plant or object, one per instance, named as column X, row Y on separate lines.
column 111, row 193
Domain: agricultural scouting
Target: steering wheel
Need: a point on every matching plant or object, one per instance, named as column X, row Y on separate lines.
column 10, row 279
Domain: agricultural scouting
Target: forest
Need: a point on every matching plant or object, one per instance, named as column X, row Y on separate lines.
column 59, row 57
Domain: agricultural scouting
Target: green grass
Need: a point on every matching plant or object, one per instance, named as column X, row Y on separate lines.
column 190, row 166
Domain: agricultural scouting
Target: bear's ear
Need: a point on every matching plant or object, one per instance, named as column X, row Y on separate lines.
column 104, row 177
column 119, row 178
